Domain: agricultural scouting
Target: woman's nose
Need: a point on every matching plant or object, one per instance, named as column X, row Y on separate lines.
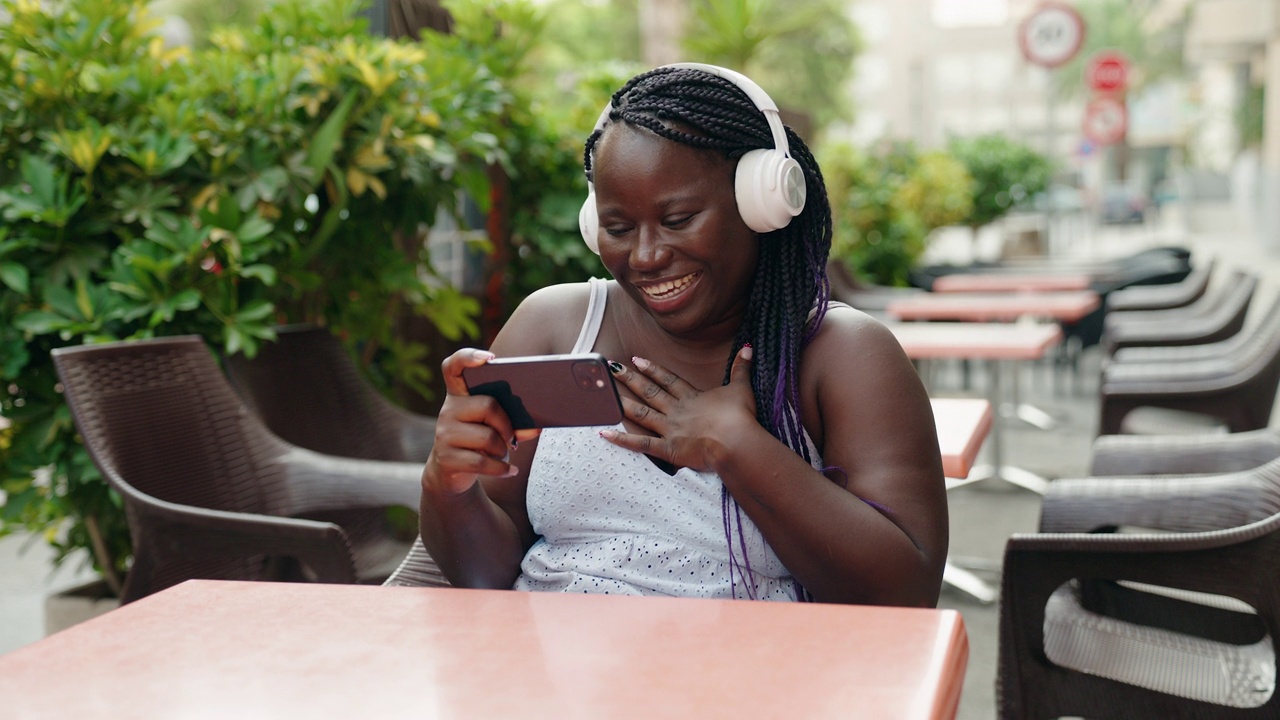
column 650, row 250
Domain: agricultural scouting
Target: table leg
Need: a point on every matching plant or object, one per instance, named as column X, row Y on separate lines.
column 968, row 583
column 997, row 469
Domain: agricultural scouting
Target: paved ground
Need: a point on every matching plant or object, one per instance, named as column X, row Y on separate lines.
column 983, row 515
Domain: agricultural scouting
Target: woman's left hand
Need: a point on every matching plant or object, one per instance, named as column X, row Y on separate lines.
column 693, row 428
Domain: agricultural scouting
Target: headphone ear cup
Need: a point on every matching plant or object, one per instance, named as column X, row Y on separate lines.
column 770, row 189
column 589, row 222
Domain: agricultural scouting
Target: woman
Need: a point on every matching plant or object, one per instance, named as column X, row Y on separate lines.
column 772, row 447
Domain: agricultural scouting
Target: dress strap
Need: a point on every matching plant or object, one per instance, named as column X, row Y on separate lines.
column 599, row 288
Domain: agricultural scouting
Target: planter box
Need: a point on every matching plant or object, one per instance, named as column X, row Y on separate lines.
column 77, row 604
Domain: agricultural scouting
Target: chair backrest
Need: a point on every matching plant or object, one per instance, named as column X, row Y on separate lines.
column 1164, row 297
column 159, row 417
column 308, row 391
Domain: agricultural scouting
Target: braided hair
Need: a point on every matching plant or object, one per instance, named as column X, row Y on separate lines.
column 790, row 291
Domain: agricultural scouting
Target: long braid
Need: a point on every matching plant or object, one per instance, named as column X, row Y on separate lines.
column 790, row 291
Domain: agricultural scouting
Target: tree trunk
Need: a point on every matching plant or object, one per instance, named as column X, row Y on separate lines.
column 662, row 24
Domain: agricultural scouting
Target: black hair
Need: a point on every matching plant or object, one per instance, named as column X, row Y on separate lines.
column 790, row 291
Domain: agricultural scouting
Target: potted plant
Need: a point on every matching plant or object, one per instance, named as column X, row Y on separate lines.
column 148, row 191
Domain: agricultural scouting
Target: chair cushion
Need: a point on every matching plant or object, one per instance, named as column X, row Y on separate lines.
column 1165, row 421
column 1240, row 676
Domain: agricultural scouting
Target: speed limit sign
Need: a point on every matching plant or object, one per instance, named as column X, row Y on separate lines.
column 1051, row 35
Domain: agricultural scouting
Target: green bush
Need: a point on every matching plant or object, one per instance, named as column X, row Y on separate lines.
column 281, row 175
column 1006, row 173
column 886, row 201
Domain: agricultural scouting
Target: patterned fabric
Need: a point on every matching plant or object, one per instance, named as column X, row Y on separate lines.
column 613, row 522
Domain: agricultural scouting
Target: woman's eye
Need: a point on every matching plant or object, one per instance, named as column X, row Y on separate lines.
column 617, row 230
column 678, row 221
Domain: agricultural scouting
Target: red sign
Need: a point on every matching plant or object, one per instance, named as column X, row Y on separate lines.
column 1051, row 35
column 1106, row 120
column 1107, row 72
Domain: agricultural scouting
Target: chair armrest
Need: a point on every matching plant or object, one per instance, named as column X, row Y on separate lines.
column 417, row 434
column 1176, row 353
column 1183, row 454
column 1190, row 373
column 181, row 530
column 318, row 482
column 1175, row 503
column 1036, row 565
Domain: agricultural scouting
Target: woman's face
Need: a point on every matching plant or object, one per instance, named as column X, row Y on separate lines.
column 670, row 232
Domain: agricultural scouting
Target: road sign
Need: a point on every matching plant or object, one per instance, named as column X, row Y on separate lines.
column 1051, row 35
column 1107, row 71
column 1105, row 120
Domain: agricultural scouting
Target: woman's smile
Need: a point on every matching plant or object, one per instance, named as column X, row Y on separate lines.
column 665, row 291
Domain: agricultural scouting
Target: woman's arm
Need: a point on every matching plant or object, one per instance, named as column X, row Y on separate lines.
column 473, row 517
column 878, row 534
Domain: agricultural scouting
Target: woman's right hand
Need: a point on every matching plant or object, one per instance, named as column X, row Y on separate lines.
column 474, row 436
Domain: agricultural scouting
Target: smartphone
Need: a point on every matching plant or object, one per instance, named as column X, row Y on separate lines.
column 541, row 391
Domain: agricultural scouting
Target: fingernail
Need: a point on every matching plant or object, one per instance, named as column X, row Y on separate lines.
column 483, row 355
column 511, row 471
column 608, row 434
column 640, row 363
column 747, row 352
column 615, row 367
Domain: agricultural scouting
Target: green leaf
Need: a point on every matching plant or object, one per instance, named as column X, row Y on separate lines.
column 256, row 310
column 264, row 273
column 328, row 137
column 40, row 322
column 16, row 277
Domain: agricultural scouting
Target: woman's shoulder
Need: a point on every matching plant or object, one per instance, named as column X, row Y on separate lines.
column 547, row 320
column 849, row 337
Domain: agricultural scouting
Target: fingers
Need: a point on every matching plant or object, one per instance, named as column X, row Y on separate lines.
column 652, row 381
column 651, row 446
column 452, row 367
column 741, row 369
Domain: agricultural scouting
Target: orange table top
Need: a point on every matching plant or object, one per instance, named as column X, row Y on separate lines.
column 1011, row 282
column 962, row 425
column 236, row 649
column 1064, row 306
column 976, row 341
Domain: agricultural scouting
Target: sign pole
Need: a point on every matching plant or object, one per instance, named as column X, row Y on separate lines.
column 1049, row 37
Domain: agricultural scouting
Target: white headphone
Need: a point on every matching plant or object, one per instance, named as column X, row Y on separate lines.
column 768, row 184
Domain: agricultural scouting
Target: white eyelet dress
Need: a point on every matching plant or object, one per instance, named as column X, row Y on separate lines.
column 610, row 521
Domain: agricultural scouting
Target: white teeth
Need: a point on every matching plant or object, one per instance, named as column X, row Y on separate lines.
column 670, row 287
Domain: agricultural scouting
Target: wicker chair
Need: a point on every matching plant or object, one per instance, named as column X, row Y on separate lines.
column 1233, row 381
column 1163, row 297
column 209, row 492
column 1174, row 621
column 418, row 569
column 1217, row 315
column 307, row 390
column 1181, row 454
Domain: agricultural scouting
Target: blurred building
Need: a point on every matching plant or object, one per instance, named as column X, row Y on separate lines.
column 1234, row 46
column 932, row 69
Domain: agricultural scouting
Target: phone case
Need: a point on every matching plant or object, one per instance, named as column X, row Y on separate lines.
column 541, row 391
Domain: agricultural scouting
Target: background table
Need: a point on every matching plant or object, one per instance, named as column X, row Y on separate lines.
column 1011, row 282
column 211, row 649
column 1068, row 307
column 962, row 425
column 993, row 343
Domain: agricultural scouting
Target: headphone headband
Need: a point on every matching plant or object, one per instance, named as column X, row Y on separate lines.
column 754, row 92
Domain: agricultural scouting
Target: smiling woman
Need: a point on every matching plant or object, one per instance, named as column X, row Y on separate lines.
column 774, row 446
